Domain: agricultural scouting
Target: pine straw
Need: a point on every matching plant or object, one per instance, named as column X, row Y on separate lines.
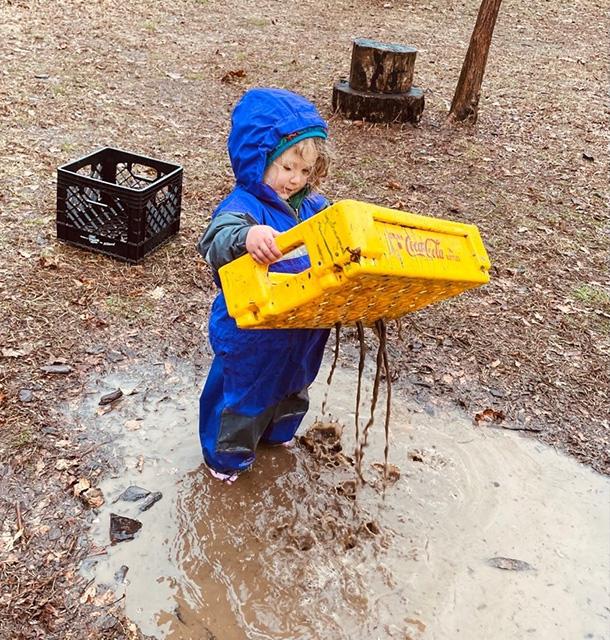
column 160, row 79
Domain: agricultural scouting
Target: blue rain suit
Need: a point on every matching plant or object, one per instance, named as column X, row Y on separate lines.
column 256, row 390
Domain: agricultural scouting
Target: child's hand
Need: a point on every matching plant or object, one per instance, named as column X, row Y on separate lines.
column 260, row 244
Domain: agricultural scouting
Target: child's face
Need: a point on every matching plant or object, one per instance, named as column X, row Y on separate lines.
column 289, row 173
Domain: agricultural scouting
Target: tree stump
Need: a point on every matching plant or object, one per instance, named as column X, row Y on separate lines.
column 380, row 84
column 381, row 68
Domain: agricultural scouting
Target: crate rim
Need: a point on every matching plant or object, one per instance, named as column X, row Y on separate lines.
column 65, row 168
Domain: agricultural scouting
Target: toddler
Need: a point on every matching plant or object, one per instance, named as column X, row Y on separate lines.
column 256, row 389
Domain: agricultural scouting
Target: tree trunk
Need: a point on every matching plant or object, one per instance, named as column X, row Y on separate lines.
column 466, row 98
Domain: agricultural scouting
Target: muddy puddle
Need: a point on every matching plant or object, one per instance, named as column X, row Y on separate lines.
column 479, row 533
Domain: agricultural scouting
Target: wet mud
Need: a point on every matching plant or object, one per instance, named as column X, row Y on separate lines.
column 457, row 530
column 382, row 369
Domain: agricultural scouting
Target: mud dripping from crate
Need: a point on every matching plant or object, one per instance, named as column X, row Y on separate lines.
column 361, row 436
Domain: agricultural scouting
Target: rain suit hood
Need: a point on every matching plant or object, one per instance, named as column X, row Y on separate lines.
column 260, row 120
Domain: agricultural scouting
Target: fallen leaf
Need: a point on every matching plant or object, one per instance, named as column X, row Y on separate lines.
column 129, row 388
column 157, row 293
column 564, row 308
column 106, row 598
column 232, row 75
column 12, row 353
column 82, row 485
column 489, row 415
column 88, row 594
column 93, row 498
column 133, row 425
column 62, row 464
column 49, row 262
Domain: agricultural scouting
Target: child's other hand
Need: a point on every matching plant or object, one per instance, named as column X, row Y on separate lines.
column 260, row 244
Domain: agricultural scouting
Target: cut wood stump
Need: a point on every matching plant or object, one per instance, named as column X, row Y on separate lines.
column 380, row 84
column 381, row 68
column 378, row 107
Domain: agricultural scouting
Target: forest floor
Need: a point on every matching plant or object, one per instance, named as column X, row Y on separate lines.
column 529, row 351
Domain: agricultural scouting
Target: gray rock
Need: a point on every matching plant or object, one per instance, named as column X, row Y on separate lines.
column 25, row 395
column 148, row 502
column 133, row 493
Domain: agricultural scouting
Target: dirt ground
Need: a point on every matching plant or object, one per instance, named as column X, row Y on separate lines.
column 531, row 347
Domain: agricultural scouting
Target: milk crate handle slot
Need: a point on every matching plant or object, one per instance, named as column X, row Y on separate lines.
column 289, row 240
column 419, row 222
column 137, row 176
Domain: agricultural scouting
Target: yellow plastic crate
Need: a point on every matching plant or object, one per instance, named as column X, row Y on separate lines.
column 367, row 262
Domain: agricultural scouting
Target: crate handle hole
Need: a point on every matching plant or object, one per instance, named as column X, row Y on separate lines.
column 297, row 253
column 143, row 172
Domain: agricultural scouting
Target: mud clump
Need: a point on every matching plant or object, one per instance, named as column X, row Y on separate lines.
column 390, row 472
column 331, row 515
column 347, row 489
column 323, row 441
column 428, row 458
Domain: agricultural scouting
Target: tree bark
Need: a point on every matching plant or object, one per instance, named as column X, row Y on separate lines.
column 381, row 68
column 465, row 103
column 378, row 107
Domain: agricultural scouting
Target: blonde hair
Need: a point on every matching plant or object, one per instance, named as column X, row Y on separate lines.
column 309, row 149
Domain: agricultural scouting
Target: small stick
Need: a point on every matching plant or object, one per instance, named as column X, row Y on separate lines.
column 19, row 519
column 20, row 527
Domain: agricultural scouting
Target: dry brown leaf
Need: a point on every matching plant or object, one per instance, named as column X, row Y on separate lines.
column 88, row 594
column 82, row 485
column 489, row 415
column 49, row 262
column 232, row 75
column 93, row 498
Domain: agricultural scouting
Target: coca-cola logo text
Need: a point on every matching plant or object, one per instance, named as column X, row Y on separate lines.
column 421, row 247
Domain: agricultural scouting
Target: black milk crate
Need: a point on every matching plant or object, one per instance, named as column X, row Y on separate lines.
column 118, row 203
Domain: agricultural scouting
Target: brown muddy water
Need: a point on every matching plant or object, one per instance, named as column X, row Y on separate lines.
column 288, row 551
